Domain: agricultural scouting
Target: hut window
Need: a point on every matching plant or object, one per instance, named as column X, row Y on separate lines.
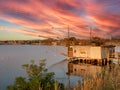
column 83, row 52
column 75, row 69
column 118, row 55
column 74, row 51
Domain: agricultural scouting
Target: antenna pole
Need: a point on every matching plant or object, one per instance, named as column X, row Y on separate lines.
column 68, row 43
column 68, row 31
column 90, row 34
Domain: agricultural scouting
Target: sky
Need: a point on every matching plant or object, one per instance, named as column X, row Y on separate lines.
column 40, row 19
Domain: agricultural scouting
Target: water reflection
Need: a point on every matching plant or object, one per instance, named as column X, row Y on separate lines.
column 61, row 74
column 92, row 74
column 83, row 69
column 72, row 73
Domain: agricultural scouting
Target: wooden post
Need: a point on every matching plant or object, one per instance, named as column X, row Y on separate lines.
column 55, row 85
column 40, row 87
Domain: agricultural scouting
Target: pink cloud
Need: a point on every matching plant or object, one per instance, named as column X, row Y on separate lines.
column 41, row 15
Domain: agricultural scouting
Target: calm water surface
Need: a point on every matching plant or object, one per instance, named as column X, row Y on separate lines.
column 13, row 56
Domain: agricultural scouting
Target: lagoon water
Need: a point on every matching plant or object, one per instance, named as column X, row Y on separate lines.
column 13, row 56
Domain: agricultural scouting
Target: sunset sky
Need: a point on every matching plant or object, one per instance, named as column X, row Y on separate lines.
column 39, row 19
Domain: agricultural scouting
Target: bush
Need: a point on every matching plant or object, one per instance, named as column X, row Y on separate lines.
column 38, row 78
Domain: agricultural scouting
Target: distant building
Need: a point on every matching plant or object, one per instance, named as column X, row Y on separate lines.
column 116, row 43
column 117, row 57
column 1, row 42
column 54, row 43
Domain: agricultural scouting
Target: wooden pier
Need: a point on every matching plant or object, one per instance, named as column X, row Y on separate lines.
column 100, row 62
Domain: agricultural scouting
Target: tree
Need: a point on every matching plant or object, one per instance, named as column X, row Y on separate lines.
column 38, row 78
column 98, row 41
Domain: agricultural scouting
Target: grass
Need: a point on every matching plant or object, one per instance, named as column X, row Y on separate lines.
column 108, row 79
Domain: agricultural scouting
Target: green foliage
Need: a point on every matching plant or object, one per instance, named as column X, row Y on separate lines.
column 38, row 78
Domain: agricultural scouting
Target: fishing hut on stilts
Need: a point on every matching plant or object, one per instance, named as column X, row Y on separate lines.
column 90, row 54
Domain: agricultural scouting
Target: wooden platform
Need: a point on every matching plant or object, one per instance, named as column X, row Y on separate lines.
column 100, row 62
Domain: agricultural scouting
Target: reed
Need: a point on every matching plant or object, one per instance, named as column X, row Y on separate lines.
column 106, row 80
